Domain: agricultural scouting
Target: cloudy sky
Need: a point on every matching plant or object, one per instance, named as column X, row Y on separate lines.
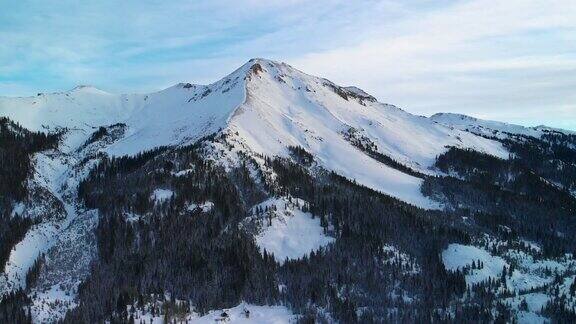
column 512, row 60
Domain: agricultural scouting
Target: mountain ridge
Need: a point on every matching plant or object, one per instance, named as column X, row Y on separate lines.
column 244, row 70
column 271, row 106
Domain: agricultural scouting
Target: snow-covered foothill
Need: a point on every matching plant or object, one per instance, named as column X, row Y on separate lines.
column 286, row 231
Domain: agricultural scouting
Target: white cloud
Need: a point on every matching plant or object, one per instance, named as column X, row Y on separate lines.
column 474, row 57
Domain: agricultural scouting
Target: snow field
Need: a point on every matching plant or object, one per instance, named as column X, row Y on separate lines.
column 242, row 313
column 288, row 232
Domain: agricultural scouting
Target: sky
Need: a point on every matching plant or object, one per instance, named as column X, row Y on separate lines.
column 512, row 60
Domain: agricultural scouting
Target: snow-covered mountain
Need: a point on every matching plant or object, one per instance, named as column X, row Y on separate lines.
column 267, row 106
column 491, row 128
column 256, row 129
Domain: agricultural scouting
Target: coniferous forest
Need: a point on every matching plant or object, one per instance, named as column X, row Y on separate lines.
column 150, row 251
column 209, row 261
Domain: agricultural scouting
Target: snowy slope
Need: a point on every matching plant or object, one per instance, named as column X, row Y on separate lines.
column 176, row 115
column 64, row 232
column 286, row 107
column 80, row 107
column 270, row 106
column 304, row 109
column 490, row 127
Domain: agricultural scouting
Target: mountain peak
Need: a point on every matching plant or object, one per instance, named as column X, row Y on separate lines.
column 258, row 65
column 83, row 88
column 262, row 61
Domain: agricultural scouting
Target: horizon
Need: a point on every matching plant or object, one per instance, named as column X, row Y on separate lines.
column 512, row 62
